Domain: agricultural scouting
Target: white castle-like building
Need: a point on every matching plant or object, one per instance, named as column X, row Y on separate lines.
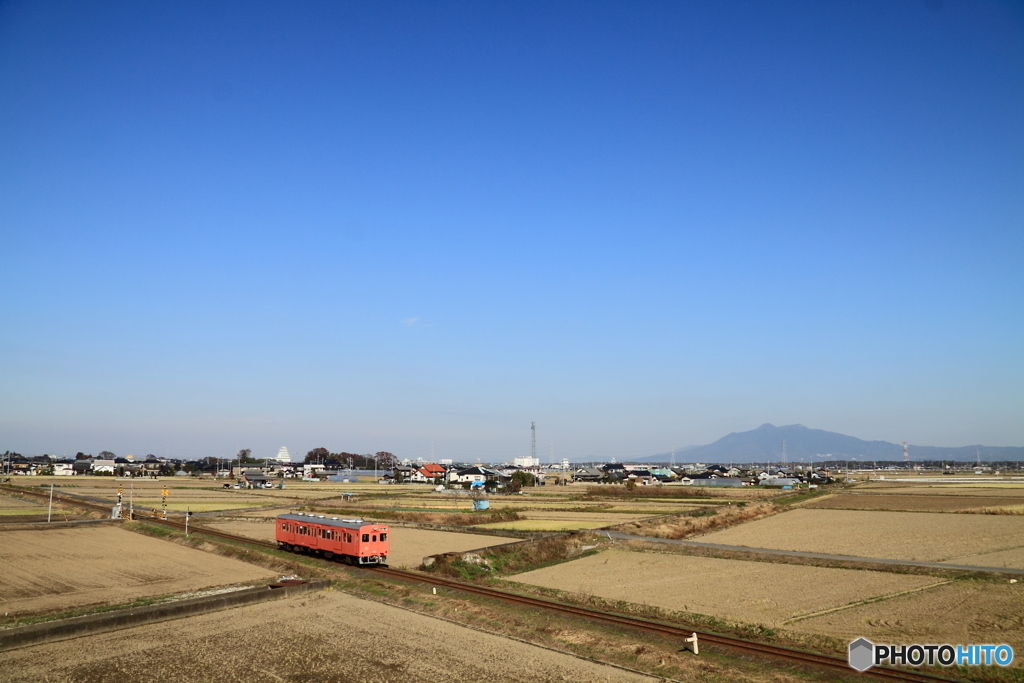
column 283, row 455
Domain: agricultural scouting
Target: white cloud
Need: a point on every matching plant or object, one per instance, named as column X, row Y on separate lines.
column 411, row 322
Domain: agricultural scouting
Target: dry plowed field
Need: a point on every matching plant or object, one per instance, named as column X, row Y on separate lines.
column 328, row 637
column 15, row 510
column 757, row 592
column 1009, row 490
column 13, row 503
column 408, row 546
column 920, row 536
column 66, row 568
column 910, row 503
column 958, row 612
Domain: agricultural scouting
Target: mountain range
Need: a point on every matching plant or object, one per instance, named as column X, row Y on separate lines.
column 764, row 444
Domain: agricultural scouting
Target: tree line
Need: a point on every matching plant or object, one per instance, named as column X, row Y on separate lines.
column 361, row 461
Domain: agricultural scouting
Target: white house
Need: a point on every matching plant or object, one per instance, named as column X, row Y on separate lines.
column 103, row 466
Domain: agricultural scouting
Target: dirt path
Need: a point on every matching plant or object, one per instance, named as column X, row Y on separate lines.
column 326, row 637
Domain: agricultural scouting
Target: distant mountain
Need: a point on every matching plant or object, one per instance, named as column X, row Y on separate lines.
column 764, row 444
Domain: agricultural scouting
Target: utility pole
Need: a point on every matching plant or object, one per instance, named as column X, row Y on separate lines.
column 533, row 441
column 49, row 510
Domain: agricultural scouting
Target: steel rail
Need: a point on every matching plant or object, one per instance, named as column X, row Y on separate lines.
column 663, row 629
column 825, row 661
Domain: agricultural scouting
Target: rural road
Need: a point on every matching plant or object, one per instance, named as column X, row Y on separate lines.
column 819, row 556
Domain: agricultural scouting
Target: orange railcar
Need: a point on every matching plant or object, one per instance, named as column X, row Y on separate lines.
column 350, row 540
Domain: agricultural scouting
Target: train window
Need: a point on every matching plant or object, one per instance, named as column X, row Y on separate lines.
column 366, row 538
column 348, row 538
column 383, row 537
column 375, row 538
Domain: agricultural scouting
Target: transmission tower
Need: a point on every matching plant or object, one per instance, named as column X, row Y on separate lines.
column 906, row 455
column 533, row 441
column 785, row 460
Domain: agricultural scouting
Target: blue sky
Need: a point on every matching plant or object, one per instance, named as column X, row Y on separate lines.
column 418, row 227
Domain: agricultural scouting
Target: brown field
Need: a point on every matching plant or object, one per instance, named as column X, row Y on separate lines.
column 408, row 546
column 62, row 569
column 539, row 520
column 14, row 510
column 910, row 503
column 12, row 503
column 1007, row 490
column 921, row 536
column 606, row 517
column 958, row 612
column 757, row 592
column 1001, row 558
column 329, row 637
column 206, row 494
column 685, row 526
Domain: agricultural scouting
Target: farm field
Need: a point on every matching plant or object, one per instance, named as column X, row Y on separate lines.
column 208, row 490
column 565, row 503
column 18, row 511
column 958, row 612
column 326, row 636
column 544, row 525
column 12, row 503
column 539, row 520
column 1013, row 558
column 911, row 503
column 73, row 567
column 408, row 546
column 603, row 516
column 758, row 592
column 921, row 536
column 1009, row 490
column 11, row 509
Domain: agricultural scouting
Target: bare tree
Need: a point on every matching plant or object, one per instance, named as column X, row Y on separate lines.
column 385, row 460
column 317, row 455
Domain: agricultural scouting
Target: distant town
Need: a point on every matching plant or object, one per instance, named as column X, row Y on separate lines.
column 384, row 467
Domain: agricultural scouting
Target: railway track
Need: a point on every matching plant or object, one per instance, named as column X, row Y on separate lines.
column 667, row 630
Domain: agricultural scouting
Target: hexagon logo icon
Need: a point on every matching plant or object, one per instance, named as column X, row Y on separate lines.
column 862, row 654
